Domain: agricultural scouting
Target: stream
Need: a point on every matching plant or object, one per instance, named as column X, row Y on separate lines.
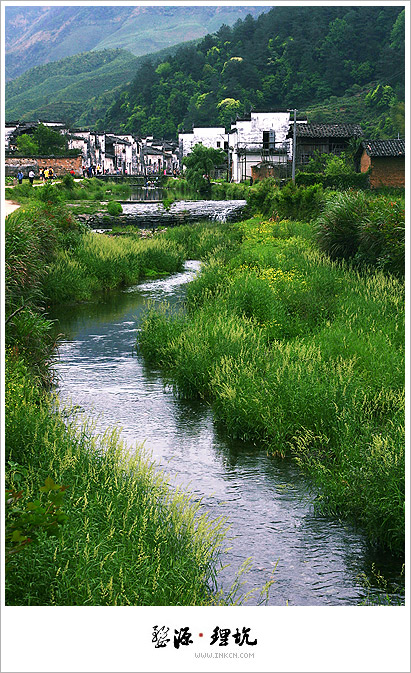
column 313, row 559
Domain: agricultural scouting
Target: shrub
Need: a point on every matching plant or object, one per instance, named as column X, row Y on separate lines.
column 48, row 193
column 364, row 229
column 382, row 236
column 298, row 203
column 337, row 228
column 114, row 208
column 68, row 182
column 334, row 180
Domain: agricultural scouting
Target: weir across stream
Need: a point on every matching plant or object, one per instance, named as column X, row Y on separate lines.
column 313, row 559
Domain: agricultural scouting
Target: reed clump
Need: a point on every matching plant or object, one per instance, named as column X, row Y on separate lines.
column 304, row 356
column 101, row 263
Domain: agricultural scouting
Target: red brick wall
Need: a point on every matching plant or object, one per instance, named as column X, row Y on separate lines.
column 385, row 171
column 60, row 165
column 365, row 162
column 261, row 172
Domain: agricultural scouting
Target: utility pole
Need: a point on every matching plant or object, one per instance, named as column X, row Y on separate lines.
column 294, row 143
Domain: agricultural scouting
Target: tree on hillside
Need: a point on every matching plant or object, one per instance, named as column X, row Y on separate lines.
column 200, row 165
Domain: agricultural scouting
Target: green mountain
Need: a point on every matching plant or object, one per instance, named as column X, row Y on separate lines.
column 294, row 56
column 61, row 90
column 35, row 35
column 67, row 90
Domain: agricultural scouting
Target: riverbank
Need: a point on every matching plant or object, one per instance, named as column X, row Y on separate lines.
column 303, row 355
column 86, row 522
column 291, row 349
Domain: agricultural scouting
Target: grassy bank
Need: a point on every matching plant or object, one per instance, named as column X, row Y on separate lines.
column 79, row 264
column 67, row 189
column 127, row 540
column 87, row 522
column 302, row 355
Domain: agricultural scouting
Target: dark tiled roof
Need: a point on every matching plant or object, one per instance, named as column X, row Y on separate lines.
column 151, row 150
column 327, row 130
column 384, row 148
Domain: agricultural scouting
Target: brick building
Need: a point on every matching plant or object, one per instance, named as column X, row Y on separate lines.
column 386, row 159
column 60, row 165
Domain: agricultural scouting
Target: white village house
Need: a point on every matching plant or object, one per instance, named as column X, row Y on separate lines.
column 258, row 138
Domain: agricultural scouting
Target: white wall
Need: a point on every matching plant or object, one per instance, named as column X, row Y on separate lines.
column 248, row 136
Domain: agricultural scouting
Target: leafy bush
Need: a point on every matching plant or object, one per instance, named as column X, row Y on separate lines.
column 114, row 208
column 48, row 193
column 68, row 182
column 298, row 203
column 338, row 226
column 334, row 180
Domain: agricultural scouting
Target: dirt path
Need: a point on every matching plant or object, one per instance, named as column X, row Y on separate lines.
column 9, row 206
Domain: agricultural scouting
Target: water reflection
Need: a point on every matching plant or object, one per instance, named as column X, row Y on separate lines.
column 268, row 503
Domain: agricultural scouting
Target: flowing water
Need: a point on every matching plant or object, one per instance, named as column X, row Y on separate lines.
column 313, row 559
column 153, row 213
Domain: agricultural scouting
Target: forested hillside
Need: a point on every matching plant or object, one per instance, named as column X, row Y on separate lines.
column 290, row 57
column 61, row 90
column 67, row 90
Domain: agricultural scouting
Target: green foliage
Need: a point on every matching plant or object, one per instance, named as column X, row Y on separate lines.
column 127, row 539
column 382, row 236
column 68, row 182
column 114, row 208
column 245, row 66
column 298, row 202
column 252, row 64
column 27, row 145
column 25, row 522
column 365, row 229
column 205, row 240
column 334, row 172
column 48, row 194
column 304, row 356
column 200, row 165
column 32, row 238
column 100, row 262
column 337, row 181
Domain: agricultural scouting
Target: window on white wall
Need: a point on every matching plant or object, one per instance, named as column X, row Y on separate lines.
column 269, row 140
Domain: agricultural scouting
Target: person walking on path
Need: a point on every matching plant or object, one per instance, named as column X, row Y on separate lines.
column 31, row 176
column 20, row 177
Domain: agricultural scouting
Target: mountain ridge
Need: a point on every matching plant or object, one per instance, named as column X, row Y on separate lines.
column 52, row 33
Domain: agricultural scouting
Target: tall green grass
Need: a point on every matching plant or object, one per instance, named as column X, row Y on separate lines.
column 101, row 263
column 305, row 357
column 90, row 189
column 368, row 230
column 128, row 539
column 33, row 236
